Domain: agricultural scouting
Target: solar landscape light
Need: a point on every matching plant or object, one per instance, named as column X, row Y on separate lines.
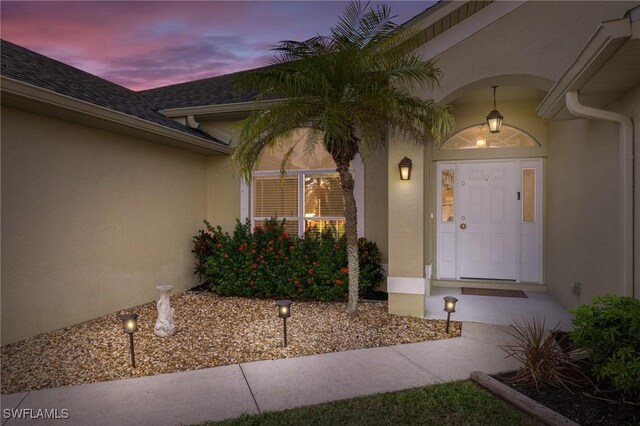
column 449, row 308
column 130, row 325
column 284, row 312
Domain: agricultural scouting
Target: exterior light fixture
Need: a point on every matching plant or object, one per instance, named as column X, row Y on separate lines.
column 284, row 312
column 130, row 325
column 481, row 142
column 405, row 167
column 449, row 308
column 494, row 119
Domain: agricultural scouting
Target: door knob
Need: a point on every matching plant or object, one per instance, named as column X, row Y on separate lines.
column 463, row 226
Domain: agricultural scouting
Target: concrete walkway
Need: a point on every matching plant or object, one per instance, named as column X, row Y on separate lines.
column 500, row 310
column 228, row 392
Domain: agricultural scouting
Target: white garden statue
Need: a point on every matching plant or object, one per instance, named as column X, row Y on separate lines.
column 164, row 326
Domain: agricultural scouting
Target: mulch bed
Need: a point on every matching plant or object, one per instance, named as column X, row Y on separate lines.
column 582, row 409
column 584, row 405
column 211, row 331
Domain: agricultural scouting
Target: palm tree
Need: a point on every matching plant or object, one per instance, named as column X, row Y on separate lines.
column 350, row 89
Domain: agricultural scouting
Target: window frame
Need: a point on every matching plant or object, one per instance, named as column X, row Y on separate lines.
column 301, row 218
column 357, row 170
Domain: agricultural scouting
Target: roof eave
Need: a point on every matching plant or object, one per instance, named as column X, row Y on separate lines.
column 19, row 93
column 216, row 109
column 607, row 40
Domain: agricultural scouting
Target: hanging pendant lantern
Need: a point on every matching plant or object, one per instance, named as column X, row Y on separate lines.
column 494, row 119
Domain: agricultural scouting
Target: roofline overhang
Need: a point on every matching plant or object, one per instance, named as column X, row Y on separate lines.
column 236, row 107
column 608, row 38
column 463, row 29
column 26, row 94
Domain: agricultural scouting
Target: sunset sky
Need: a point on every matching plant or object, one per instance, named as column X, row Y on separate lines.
column 149, row 44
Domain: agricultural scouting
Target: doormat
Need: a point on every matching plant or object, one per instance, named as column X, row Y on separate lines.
column 493, row 292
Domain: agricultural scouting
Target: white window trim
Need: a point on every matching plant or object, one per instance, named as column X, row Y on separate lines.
column 246, row 207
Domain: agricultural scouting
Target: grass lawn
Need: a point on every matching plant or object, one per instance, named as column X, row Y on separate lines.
column 458, row 403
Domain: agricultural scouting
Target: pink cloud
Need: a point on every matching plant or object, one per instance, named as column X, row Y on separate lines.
column 148, row 44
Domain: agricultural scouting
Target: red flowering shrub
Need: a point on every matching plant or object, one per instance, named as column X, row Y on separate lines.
column 268, row 262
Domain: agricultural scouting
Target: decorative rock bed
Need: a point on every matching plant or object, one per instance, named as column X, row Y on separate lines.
column 210, row 331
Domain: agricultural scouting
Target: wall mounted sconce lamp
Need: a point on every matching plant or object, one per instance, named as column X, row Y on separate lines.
column 449, row 308
column 130, row 325
column 284, row 312
column 494, row 119
column 405, row 167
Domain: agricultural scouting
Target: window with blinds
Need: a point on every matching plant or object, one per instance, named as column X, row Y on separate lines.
column 275, row 196
column 323, row 196
column 307, row 200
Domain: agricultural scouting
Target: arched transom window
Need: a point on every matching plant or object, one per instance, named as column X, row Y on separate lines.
column 479, row 137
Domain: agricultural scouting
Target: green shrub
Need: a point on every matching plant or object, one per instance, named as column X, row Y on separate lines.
column 371, row 272
column 204, row 245
column 608, row 329
column 268, row 262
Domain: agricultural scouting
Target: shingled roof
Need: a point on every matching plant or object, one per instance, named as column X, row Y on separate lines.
column 209, row 91
column 30, row 67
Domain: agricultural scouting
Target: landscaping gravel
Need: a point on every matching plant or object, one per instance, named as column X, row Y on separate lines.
column 210, row 331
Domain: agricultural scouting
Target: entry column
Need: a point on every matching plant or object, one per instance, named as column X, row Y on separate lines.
column 406, row 283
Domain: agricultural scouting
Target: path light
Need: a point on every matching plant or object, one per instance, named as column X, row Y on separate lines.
column 494, row 119
column 284, row 312
column 405, row 167
column 130, row 325
column 449, row 307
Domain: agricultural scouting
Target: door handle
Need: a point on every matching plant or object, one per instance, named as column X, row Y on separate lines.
column 463, row 226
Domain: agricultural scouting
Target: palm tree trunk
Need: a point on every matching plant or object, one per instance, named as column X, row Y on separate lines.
column 351, row 227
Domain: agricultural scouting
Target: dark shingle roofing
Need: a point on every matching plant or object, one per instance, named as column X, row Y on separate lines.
column 30, row 67
column 209, row 91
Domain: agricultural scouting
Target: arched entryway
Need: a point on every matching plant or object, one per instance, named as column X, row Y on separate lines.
column 487, row 209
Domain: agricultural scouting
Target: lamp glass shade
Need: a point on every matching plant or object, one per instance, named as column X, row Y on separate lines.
column 494, row 121
column 450, row 304
column 405, row 167
column 130, row 323
column 284, row 308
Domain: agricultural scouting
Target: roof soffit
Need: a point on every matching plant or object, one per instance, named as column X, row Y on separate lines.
column 607, row 66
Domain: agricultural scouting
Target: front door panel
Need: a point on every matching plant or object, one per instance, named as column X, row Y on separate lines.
column 486, row 222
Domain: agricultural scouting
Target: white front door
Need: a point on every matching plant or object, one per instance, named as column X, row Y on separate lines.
column 489, row 220
column 486, row 221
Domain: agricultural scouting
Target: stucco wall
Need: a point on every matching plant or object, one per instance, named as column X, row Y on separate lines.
column 583, row 205
column 91, row 221
column 223, row 193
column 376, row 211
column 540, row 38
column 406, row 211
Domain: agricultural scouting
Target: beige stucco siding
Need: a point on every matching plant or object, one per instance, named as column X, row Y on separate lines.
column 583, row 205
column 531, row 46
column 376, row 211
column 91, row 221
column 406, row 211
column 223, row 193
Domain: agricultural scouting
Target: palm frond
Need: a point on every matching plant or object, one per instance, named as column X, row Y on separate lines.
column 265, row 129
